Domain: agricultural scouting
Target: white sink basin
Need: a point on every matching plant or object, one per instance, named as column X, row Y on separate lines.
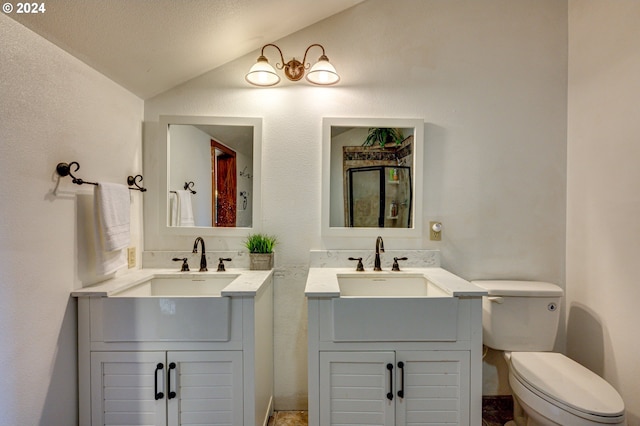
column 179, row 286
column 388, row 306
column 388, row 285
column 171, row 307
column 411, row 305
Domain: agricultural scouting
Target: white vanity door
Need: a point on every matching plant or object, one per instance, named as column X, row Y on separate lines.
column 207, row 386
column 354, row 388
column 166, row 388
column 123, row 388
column 435, row 388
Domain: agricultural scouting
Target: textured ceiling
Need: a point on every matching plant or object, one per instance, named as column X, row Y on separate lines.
column 149, row 46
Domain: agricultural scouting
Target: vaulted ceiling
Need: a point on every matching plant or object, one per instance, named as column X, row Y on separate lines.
column 149, row 46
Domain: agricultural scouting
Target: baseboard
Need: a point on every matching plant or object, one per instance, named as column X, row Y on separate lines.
column 269, row 413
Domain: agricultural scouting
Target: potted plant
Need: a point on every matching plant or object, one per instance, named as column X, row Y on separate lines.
column 260, row 248
column 383, row 136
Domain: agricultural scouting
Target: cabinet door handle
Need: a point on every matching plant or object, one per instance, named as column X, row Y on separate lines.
column 390, row 393
column 158, row 395
column 401, row 391
column 171, row 393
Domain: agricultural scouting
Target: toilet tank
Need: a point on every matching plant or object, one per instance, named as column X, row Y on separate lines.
column 520, row 316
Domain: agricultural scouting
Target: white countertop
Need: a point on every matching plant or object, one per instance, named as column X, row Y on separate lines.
column 323, row 282
column 248, row 282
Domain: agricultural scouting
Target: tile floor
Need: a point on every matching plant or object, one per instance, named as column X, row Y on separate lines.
column 289, row 418
column 496, row 411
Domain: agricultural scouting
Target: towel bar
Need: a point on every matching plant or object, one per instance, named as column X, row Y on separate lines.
column 188, row 186
column 64, row 169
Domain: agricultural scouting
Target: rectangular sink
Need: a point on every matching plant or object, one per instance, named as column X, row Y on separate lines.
column 179, row 286
column 388, row 285
column 391, row 306
column 180, row 307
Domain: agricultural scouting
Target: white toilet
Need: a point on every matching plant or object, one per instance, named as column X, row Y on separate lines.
column 521, row 318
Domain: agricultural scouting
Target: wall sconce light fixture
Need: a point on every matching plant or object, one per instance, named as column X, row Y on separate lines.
column 321, row 73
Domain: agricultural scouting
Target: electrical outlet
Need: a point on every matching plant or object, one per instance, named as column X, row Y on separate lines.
column 131, row 257
column 435, row 231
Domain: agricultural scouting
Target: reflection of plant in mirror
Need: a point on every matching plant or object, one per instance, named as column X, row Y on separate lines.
column 383, row 135
column 260, row 243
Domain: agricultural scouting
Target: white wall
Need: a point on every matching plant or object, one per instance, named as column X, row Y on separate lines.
column 190, row 153
column 489, row 79
column 53, row 109
column 603, row 197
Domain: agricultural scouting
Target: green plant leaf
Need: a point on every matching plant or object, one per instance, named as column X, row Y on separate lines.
column 260, row 243
column 383, row 135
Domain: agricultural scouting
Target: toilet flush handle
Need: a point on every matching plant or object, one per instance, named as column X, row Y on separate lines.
column 496, row 299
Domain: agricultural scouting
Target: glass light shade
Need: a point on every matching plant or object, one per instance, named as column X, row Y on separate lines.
column 262, row 74
column 323, row 73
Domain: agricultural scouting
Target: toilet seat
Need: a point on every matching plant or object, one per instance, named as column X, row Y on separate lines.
column 568, row 385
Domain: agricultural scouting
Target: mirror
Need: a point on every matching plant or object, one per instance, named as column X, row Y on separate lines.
column 369, row 186
column 212, row 175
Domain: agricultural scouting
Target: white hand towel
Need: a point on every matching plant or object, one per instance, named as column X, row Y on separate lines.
column 185, row 210
column 108, row 262
column 174, row 207
column 113, row 204
column 111, row 226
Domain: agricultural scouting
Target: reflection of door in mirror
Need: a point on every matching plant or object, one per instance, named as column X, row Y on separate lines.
column 225, row 183
column 219, row 160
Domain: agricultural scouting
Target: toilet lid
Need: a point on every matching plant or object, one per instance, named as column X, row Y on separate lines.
column 519, row 288
column 567, row 382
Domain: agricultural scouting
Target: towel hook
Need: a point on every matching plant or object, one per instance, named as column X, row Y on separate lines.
column 133, row 181
column 188, row 186
column 64, row 169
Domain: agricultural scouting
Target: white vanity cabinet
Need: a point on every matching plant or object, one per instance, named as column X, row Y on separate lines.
column 168, row 360
column 394, row 388
column 393, row 348
column 166, row 388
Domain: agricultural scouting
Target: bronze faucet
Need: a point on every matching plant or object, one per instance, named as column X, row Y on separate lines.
column 203, row 257
column 379, row 248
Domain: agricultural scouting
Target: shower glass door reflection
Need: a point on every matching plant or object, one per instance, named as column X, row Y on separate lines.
column 379, row 197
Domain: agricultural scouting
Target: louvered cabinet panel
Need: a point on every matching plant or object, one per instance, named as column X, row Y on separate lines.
column 354, row 387
column 208, row 387
column 197, row 388
column 123, row 388
column 429, row 388
column 436, row 388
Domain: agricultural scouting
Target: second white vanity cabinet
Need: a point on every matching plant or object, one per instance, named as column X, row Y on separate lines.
column 393, row 348
column 394, row 387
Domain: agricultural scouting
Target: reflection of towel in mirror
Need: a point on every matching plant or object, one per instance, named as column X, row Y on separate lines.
column 112, row 217
column 181, row 208
column 173, row 208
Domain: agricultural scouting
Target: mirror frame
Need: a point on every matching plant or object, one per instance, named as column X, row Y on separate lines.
column 163, row 204
column 418, row 162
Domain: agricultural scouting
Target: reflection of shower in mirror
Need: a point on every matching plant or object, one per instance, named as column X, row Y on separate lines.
column 372, row 190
